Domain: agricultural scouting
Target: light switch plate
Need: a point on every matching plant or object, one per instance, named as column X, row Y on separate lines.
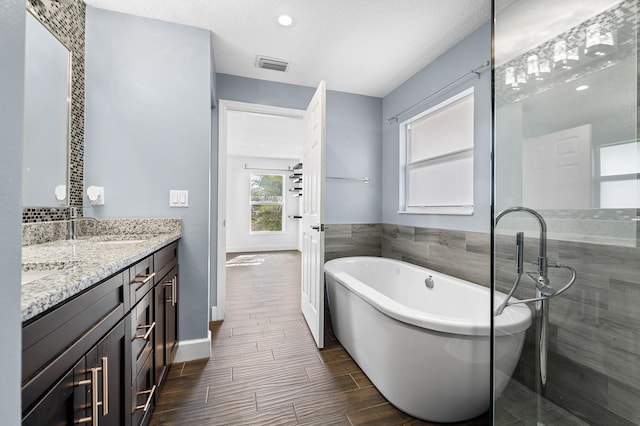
column 178, row 198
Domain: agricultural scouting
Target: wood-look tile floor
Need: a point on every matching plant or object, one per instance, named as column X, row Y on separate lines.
column 265, row 368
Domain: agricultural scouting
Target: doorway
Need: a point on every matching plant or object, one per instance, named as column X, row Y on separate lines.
column 259, row 146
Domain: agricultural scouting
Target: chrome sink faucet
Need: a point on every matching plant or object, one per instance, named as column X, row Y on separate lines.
column 72, row 228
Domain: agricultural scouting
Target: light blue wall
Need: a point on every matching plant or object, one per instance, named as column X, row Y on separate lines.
column 147, row 130
column 12, row 27
column 354, row 150
column 354, row 141
column 462, row 58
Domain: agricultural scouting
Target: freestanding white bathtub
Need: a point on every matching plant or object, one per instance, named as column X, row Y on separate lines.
column 427, row 350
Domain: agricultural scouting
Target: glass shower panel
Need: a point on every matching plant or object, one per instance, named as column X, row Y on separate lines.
column 566, row 199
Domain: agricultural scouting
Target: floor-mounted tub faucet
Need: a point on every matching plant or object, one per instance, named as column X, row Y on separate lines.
column 544, row 291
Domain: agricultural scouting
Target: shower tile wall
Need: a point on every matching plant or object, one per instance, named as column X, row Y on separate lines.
column 594, row 335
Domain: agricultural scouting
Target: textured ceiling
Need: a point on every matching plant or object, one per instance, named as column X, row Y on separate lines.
column 366, row 47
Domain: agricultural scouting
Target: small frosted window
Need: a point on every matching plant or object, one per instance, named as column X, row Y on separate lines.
column 620, row 159
column 427, row 183
column 619, row 194
column 437, row 165
column 446, row 130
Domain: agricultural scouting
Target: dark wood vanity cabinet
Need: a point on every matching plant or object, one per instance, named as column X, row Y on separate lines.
column 94, row 388
column 100, row 357
column 166, row 308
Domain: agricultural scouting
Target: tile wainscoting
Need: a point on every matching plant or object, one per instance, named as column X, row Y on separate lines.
column 352, row 240
column 460, row 254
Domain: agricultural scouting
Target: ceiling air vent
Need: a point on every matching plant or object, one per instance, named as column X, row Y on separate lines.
column 271, row 63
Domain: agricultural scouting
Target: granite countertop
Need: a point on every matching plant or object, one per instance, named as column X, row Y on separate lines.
column 60, row 269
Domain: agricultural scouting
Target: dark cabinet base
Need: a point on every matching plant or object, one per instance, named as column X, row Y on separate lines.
column 103, row 354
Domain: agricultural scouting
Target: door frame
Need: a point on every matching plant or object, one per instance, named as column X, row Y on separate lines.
column 224, row 106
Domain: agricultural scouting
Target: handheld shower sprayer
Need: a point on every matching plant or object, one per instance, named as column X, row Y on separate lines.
column 520, row 253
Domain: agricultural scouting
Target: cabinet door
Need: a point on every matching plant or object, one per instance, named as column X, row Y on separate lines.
column 159, row 297
column 63, row 404
column 107, row 362
column 171, row 317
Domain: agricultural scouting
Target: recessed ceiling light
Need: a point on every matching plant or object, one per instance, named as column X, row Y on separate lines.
column 581, row 88
column 285, row 20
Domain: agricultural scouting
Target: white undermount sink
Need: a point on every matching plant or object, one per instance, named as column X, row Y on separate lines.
column 28, row 276
column 120, row 242
column 36, row 271
column 117, row 239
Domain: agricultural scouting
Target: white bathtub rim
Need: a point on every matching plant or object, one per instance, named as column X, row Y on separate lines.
column 514, row 319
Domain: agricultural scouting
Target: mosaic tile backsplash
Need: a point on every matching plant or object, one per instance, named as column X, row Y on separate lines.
column 67, row 21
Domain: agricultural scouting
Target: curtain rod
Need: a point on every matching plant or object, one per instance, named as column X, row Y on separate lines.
column 363, row 179
column 263, row 168
column 476, row 71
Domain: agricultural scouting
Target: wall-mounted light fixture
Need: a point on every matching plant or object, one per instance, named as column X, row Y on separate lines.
column 598, row 41
column 537, row 68
column 564, row 58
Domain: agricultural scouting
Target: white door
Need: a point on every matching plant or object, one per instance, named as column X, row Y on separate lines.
column 312, row 301
column 556, row 167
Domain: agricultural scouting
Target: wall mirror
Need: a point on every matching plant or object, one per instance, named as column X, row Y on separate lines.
column 566, row 119
column 46, row 128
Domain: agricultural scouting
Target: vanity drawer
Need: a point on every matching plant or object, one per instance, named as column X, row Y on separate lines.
column 142, row 333
column 53, row 343
column 141, row 279
column 165, row 259
column 143, row 395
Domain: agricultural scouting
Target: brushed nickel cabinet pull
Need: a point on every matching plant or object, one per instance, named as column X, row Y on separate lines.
column 146, row 405
column 174, row 289
column 169, row 284
column 143, row 279
column 94, row 398
column 105, row 385
column 149, row 329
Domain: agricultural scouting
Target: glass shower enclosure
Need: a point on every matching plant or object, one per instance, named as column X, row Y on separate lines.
column 567, row 162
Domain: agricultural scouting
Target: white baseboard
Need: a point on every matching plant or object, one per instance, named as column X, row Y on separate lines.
column 216, row 314
column 189, row 350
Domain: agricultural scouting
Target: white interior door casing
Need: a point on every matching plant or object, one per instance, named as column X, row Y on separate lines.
column 312, row 291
